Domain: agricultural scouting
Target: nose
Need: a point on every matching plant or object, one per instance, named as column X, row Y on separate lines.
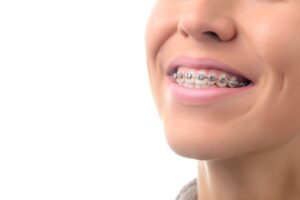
column 207, row 19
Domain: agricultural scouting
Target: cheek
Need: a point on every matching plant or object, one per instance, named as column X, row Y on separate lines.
column 161, row 25
column 275, row 38
column 276, row 42
column 280, row 50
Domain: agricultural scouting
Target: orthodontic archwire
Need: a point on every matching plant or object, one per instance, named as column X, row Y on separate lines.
column 190, row 75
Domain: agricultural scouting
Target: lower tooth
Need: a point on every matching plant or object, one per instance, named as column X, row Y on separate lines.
column 180, row 81
column 200, row 85
column 189, row 83
column 197, row 86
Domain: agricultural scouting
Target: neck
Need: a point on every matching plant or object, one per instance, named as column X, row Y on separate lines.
column 270, row 175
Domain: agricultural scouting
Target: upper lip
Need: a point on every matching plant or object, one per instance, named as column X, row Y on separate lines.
column 202, row 63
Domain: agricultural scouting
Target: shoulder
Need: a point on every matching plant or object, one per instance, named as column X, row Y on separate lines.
column 189, row 191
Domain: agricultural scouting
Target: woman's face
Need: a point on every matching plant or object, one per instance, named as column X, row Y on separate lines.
column 256, row 42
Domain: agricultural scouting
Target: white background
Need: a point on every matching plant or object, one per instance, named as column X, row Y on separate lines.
column 77, row 120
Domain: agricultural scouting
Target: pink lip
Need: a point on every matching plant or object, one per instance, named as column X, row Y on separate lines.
column 200, row 96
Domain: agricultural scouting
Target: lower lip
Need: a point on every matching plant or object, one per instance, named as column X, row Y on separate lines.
column 200, row 96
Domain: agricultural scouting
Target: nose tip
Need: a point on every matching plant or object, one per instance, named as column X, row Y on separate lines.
column 203, row 25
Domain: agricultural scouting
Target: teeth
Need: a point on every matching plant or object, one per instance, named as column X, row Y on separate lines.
column 189, row 85
column 189, row 80
column 212, row 78
column 179, row 78
column 201, row 75
column 221, row 82
column 175, row 75
column 233, row 82
column 179, row 75
column 203, row 80
column 189, row 75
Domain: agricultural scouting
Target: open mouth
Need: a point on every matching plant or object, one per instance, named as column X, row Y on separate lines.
column 201, row 81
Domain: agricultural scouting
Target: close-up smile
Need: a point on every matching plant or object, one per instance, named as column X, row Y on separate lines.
column 201, row 81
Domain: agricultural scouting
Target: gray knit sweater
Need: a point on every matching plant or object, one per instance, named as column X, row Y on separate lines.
column 189, row 191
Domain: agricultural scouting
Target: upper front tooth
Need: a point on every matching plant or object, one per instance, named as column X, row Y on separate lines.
column 189, row 81
column 201, row 76
column 179, row 75
column 221, row 82
column 212, row 78
column 179, row 78
column 189, row 75
column 201, row 80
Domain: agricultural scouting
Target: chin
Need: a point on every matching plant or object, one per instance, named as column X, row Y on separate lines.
column 197, row 151
column 215, row 143
column 204, row 147
column 199, row 145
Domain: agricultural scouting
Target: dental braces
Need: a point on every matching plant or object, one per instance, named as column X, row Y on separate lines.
column 200, row 76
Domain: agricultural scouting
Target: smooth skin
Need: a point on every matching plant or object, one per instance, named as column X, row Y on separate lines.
column 247, row 146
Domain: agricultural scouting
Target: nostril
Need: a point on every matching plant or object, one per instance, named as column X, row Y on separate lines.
column 212, row 34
